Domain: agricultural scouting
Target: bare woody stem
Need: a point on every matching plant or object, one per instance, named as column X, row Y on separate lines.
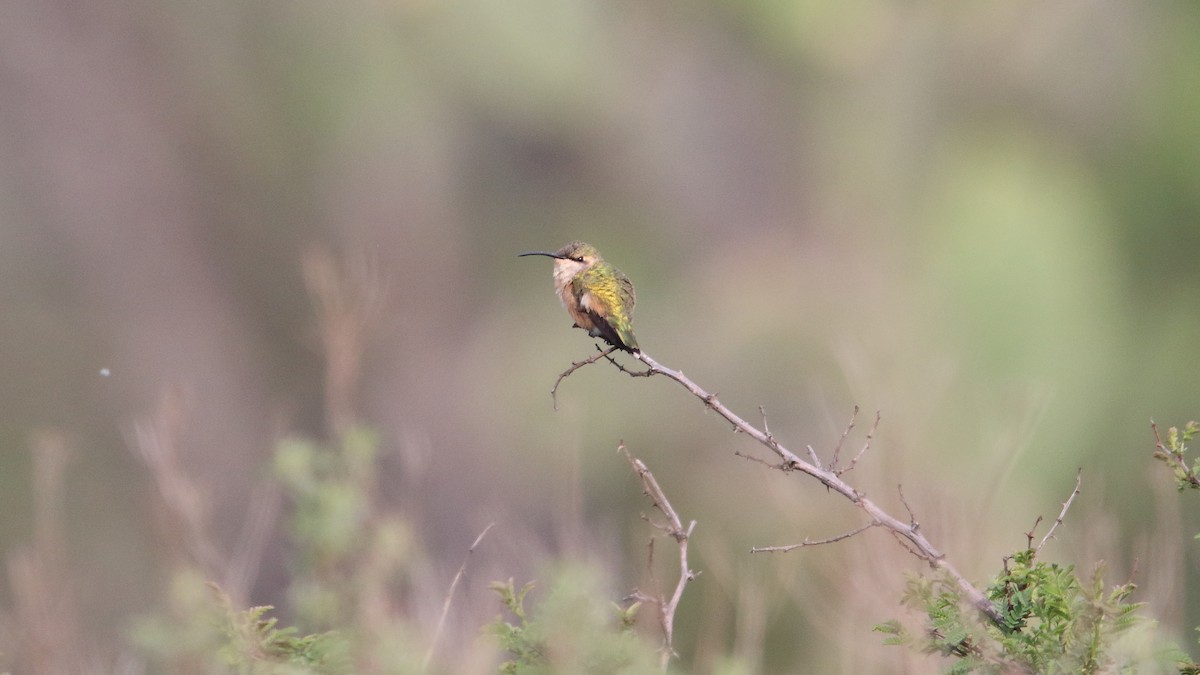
column 673, row 528
column 907, row 532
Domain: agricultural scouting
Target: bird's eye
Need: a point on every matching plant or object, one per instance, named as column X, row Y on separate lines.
column 578, row 259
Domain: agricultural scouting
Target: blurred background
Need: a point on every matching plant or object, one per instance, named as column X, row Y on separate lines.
column 223, row 224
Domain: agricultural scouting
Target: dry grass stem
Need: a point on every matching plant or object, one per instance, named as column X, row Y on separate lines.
column 43, row 617
column 186, row 506
column 441, row 624
column 347, row 299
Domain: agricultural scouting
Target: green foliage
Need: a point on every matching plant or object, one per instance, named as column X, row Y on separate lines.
column 1172, row 452
column 515, row 638
column 351, row 563
column 571, row 631
column 1055, row 623
column 1052, row 622
column 252, row 641
column 208, row 634
column 330, row 489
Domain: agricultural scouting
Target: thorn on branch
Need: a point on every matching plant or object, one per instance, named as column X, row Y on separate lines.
column 632, row 373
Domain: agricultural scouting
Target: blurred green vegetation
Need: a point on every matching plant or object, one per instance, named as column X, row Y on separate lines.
column 981, row 219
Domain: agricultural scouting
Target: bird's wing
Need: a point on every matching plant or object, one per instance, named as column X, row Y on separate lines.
column 607, row 299
column 627, row 294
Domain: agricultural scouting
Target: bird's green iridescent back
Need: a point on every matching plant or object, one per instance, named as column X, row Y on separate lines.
column 608, row 295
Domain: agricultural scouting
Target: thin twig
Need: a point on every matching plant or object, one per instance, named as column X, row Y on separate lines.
column 907, row 546
column 837, row 449
column 462, row 569
column 766, row 429
column 673, row 528
column 912, row 518
column 759, row 460
column 1030, row 535
column 576, row 366
column 1062, row 514
column 865, row 447
column 809, row 542
column 921, row 546
column 812, row 454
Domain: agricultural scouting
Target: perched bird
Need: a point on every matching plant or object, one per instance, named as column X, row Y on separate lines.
column 597, row 295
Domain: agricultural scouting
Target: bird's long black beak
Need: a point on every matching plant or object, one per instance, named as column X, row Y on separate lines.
column 545, row 253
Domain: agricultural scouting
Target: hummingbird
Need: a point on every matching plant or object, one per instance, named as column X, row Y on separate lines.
column 598, row 296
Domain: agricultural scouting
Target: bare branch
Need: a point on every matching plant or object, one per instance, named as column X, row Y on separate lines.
column 674, row 529
column 576, row 365
column 1062, row 514
column 907, row 532
column 809, row 542
column 462, row 569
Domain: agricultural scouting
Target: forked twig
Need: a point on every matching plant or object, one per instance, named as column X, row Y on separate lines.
column 674, row 529
column 866, row 445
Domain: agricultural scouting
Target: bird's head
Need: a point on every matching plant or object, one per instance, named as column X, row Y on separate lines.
column 571, row 259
